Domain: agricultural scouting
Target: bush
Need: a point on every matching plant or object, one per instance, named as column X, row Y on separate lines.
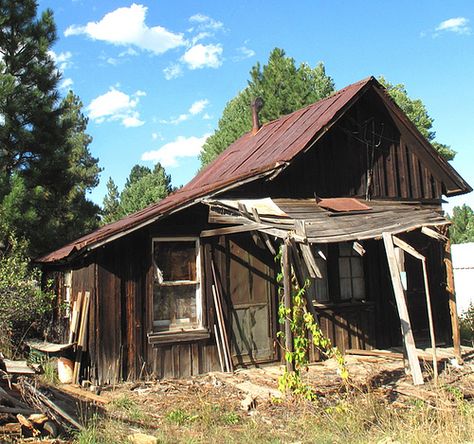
column 23, row 304
column 466, row 325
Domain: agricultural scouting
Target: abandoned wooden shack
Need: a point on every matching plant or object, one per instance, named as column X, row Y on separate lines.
column 347, row 185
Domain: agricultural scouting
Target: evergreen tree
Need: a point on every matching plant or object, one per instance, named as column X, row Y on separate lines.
column 143, row 187
column 416, row 110
column 284, row 88
column 146, row 190
column 462, row 225
column 136, row 173
column 111, row 210
column 42, row 161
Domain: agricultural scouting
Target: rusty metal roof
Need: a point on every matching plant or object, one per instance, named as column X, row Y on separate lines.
column 252, row 156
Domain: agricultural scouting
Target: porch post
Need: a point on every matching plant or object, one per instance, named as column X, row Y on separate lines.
column 452, row 300
column 287, row 299
column 405, row 324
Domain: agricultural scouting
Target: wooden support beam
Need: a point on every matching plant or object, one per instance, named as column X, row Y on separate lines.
column 412, row 251
column 265, row 236
column 286, row 265
column 452, row 301
column 434, row 234
column 232, row 230
column 405, row 324
column 308, row 257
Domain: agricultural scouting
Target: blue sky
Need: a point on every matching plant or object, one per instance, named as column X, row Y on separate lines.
column 154, row 76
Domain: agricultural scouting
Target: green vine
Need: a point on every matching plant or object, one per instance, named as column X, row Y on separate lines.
column 305, row 331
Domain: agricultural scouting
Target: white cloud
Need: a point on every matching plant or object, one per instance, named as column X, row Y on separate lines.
column 205, row 22
column 126, row 27
column 66, row 84
column 173, row 71
column 62, row 60
column 132, row 121
column 201, row 56
column 198, row 107
column 169, row 153
column 195, row 109
column 458, row 25
column 115, row 105
column 244, row 53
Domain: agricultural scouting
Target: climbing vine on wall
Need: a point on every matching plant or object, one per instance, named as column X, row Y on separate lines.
column 305, row 331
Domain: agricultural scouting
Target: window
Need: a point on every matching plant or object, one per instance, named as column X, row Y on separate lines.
column 319, row 290
column 351, row 273
column 177, row 284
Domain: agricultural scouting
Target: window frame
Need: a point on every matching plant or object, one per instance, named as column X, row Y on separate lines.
column 164, row 335
column 352, row 277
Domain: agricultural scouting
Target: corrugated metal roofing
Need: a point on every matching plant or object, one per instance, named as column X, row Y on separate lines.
column 252, row 156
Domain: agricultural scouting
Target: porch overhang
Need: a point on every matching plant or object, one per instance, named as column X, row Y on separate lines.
column 277, row 217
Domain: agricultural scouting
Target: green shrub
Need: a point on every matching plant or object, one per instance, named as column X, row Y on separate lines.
column 466, row 325
column 23, row 304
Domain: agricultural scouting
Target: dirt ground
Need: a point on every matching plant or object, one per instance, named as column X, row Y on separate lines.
column 380, row 404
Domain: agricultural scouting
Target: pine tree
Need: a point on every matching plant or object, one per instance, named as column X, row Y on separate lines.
column 43, row 159
column 462, row 225
column 111, row 204
column 284, row 88
column 143, row 187
column 148, row 189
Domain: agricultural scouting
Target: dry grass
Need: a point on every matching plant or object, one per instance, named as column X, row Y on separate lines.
column 380, row 411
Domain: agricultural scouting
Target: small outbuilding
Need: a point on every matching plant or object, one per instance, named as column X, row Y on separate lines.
column 347, row 186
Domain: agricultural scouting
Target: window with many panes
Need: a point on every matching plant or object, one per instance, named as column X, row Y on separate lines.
column 351, row 273
column 342, row 274
column 177, row 284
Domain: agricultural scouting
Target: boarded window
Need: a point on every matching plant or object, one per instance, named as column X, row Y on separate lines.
column 351, row 273
column 176, row 290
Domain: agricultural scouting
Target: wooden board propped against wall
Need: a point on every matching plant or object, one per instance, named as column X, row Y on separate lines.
column 407, row 332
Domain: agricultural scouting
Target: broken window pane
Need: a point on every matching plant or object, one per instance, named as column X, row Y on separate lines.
column 176, row 290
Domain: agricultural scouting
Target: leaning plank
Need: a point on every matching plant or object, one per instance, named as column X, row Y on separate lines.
column 40, row 401
column 76, row 311
column 219, row 348
column 81, row 339
column 410, row 250
column 222, row 339
column 221, row 320
column 405, row 324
